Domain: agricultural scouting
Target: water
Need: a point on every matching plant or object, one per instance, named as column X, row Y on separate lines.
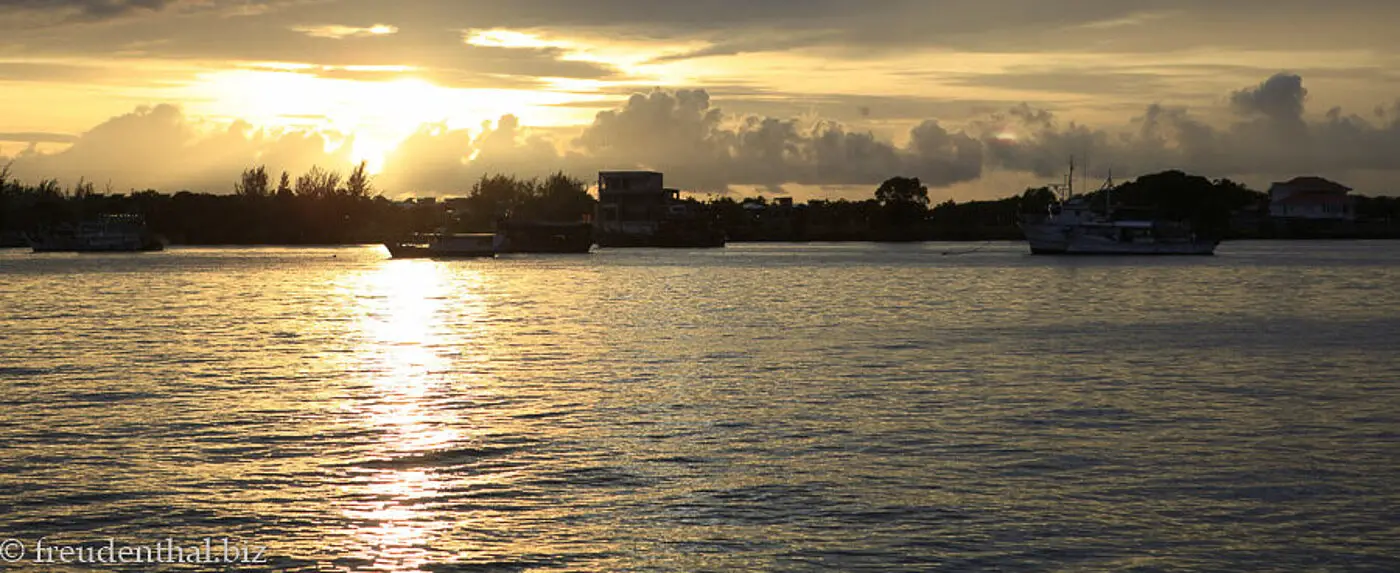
column 761, row 407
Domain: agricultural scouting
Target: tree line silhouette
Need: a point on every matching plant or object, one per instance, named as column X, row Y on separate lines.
column 317, row 207
column 326, row 207
column 900, row 210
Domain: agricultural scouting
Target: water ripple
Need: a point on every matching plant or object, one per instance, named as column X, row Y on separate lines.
column 763, row 407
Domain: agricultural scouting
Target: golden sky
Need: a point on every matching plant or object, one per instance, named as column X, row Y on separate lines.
column 805, row 97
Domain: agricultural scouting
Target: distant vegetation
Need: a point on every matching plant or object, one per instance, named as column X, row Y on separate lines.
column 900, row 211
column 326, row 207
column 317, row 207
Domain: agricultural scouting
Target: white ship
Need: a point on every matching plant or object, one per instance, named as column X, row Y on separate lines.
column 1071, row 227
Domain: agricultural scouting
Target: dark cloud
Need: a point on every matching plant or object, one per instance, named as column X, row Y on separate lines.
column 682, row 134
column 1280, row 98
column 88, row 9
column 895, row 26
column 1064, row 80
column 743, row 26
column 1274, row 137
column 438, row 54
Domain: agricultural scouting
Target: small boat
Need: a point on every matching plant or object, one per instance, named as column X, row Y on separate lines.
column 444, row 245
column 106, row 234
column 1071, row 226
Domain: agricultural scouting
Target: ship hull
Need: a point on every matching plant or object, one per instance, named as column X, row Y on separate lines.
column 536, row 237
column 49, row 243
column 1052, row 239
column 1193, row 250
column 402, row 251
column 458, row 246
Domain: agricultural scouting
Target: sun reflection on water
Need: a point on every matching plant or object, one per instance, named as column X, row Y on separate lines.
column 411, row 331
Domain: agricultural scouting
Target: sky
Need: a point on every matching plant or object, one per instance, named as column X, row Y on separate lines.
column 808, row 98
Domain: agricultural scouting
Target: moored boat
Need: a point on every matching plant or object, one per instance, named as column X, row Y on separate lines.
column 1070, row 226
column 444, row 245
column 522, row 236
column 106, row 234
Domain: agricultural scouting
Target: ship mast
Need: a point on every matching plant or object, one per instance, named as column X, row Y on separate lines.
column 1069, row 180
column 1108, row 194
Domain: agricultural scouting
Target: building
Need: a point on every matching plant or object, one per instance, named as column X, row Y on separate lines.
column 635, row 209
column 632, row 202
column 1312, row 198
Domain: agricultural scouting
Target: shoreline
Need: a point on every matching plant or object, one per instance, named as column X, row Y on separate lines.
column 774, row 241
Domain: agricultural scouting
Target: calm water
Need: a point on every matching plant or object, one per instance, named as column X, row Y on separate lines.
column 761, row 407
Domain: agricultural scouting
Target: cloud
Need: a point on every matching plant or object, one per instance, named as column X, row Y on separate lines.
column 338, row 32
column 741, row 26
column 78, row 12
column 728, row 27
column 439, row 54
column 437, row 160
column 1271, row 136
column 1112, row 81
column 511, row 39
column 681, row 134
column 12, row 71
column 158, row 147
column 1280, row 98
column 38, row 137
column 89, row 9
column 703, row 148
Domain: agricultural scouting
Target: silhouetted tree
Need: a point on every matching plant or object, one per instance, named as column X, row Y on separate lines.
column 318, row 183
column 904, row 202
column 358, row 185
column 317, row 208
column 83, row 189
column 284, row 186
column 253, row 183
column 897, row 190
column 561, row 198
column 1175, row 195
column 1036, row 200
column 493, row 197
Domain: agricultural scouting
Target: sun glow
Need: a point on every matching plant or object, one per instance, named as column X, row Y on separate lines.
column 335, row 32
column 499, row 38
column 380, row 111
column 404, row 350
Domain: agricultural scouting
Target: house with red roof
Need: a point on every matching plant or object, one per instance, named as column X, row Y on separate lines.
column 1311, row 198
